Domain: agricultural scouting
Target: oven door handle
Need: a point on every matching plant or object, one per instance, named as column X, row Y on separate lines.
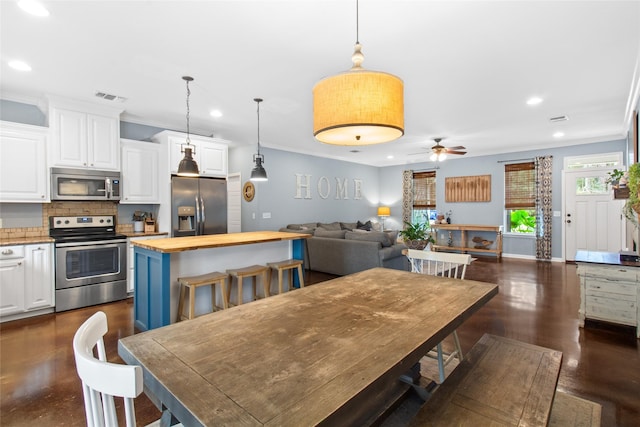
column 91, row 243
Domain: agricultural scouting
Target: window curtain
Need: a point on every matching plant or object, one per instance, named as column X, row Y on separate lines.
column 544, row 212
column 407, row 196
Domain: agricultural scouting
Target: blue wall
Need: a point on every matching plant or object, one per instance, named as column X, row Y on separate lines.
column 380, row 186
column 278, row 195
column 491, row 213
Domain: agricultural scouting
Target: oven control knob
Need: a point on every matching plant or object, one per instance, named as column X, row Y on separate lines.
column 101, row 221
column 66, row 221
column 58, row 222
column 108, row 220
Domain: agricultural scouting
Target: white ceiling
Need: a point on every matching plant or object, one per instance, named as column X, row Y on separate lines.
column 468, row 67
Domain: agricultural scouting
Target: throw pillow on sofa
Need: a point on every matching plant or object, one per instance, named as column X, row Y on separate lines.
column 366, row 226
column 348, row 225
column 372, row 236
column 330, row 226
column 332, row 234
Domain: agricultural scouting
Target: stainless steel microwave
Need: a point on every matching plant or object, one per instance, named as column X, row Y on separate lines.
column 84, row 184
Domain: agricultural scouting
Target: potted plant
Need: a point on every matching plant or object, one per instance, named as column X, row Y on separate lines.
column 614, row 178
column 632, row 206
column 416, row 236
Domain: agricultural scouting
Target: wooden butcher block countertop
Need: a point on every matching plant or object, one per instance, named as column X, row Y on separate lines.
column 190, row 243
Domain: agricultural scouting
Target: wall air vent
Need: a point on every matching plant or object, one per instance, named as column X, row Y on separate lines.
column 354, row 151
column 559, row 119
column 110, row 97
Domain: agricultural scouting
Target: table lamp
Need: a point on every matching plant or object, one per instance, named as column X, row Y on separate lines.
column 383, row 212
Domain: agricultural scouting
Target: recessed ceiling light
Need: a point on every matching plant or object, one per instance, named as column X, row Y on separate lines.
column 558, row 134
column 390, row 156
column 216, row 113
column 33, row 7
column 19, row 65
column 534, row 100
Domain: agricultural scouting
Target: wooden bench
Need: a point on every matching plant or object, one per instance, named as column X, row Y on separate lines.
column 500, row 381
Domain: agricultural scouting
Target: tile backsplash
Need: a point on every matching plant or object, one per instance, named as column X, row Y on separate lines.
column 63, row 209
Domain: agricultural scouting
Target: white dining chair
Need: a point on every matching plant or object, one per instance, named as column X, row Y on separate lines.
column 442, row 264
column 102, row 380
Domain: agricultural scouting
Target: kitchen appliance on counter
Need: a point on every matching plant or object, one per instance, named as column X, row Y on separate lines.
column 198, row 206
column 84, row 184
column 90, row 260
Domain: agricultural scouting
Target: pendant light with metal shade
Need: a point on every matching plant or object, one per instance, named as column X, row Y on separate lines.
column 188, row 166
column 258, row 173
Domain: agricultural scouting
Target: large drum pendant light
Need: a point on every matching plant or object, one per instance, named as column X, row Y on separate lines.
column 358, row 107
column 188, row 166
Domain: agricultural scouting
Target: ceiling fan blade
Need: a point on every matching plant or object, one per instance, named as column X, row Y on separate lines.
column 456, row 152
column 459, row 147
column 415, row 154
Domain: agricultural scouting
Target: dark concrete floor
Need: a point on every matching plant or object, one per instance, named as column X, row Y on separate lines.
column 538, row 303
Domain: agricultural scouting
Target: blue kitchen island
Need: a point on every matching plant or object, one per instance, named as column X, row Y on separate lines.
column 159, row 262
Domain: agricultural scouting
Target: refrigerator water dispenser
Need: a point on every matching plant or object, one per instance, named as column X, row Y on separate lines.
column 186, row 218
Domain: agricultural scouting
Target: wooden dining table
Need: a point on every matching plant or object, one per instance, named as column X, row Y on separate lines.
column 331, row 353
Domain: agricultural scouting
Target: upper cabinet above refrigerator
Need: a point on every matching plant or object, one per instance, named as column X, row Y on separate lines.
column 210, row 153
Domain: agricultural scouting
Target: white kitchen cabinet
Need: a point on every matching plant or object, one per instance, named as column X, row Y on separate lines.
column 23, row 181
column 39, row 288
column 11, row 280
column 130, row 262
column 140, row 172
column 211, row 154
column 609, row 293
column 27, row 283
column 84, row 135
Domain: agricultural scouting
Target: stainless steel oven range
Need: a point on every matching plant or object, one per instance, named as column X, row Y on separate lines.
column 90, row 261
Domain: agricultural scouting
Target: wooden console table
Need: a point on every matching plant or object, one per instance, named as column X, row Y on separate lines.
column 463, row 244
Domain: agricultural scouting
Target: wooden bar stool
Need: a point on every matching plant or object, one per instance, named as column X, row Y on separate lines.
column 252, row 271
column 194, row 282
column 288, row 264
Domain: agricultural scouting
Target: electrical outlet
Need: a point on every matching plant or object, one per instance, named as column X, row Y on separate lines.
column 266, row 215
column 253, row 215
column 0, row 222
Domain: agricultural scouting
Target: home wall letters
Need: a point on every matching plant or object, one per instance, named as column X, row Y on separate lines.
column 323, row 187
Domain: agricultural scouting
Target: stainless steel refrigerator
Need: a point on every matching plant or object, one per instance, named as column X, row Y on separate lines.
column 198, row 206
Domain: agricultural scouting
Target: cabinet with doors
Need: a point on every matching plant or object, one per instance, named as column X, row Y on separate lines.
column 609, row 293
column 27, row 283
column 211, row 154
column 84, row 135
column 23, row 163
column 141, row 163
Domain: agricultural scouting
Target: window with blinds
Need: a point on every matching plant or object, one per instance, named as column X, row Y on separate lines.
column 424, row 190
column 520, row 197
column 519, row 186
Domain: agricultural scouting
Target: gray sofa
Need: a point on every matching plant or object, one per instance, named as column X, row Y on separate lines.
column 342, row 248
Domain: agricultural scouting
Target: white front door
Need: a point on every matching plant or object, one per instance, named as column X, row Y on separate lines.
column 593, row 218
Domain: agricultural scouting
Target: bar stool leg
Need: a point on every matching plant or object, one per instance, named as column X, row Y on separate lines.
column 240, row 280
column 181, row 302
column 213, row 297
column 300, row 276
column 254, row 280
column 192, row 302
column 223, row 293
column 266, row 282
